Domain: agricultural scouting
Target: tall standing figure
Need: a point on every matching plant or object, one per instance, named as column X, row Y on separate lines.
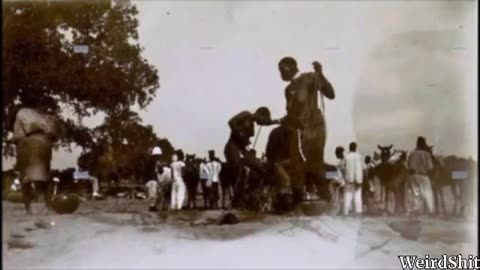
column 178, row 186
column 35, row 132
column 420, row 165
column 353, row 181
column 307, row 116
column 214, row 168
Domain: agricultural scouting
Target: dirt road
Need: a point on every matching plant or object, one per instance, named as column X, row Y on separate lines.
column 98, row 236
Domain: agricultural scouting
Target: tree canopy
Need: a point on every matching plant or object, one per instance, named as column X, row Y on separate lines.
column 39, row 61
column 122, row 145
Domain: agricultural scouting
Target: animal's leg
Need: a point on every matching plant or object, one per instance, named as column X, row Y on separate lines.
column 402, row 197
column 385, row 207
column 390, row 199
column 455, row 201
column 231, row 194
column 194, row 196
column 441, row 199
column 224, row 191
column 382, row 192
column 398, row 202
column 436, row 198
column 204, row 194
column 191, row 197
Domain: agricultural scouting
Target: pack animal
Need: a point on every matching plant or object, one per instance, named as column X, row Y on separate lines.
column 442, row 177
column 393, row 176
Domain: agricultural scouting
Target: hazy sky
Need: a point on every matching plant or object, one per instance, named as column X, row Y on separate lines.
column 216, row 59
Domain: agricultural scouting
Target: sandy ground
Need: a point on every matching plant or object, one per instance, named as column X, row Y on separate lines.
column 116, row 234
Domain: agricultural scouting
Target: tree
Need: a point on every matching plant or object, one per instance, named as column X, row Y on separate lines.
column 39, row 61
column 122, row 145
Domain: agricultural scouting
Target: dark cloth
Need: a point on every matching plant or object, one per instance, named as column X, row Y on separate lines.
column 400, row 199
column 278, row 148
column 322, row 185
column 242, row 128
column 284, row 158
column 213, row 194
column 150, row 172
column 233, row 155
column 237, row 157
column 43, row 187
column 302, row 108
column 205, row 192
column 34, row 155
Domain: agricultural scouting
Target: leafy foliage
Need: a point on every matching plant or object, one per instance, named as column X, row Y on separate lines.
column 122, row 145
column 39, row 62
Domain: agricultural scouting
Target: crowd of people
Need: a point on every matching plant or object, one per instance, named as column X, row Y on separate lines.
column 360, row 181
column 294, row 157
column 166, row 185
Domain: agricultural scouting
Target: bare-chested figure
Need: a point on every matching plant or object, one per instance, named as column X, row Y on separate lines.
column 306, row 112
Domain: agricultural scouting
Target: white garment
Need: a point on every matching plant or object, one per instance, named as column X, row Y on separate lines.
column 177, row 167
column 368, row 175
column 178, row 195
column 79, row 174
column 354, row 168
column 29, row 120
column 152, row 189
column 16, row 185
column 204, row 173
column 95, row 185
column 214, row 168
column 166, row 176
column 178, row 187
column 421, row 189
column 341, row 171
column 395, row 157
column 352, row 194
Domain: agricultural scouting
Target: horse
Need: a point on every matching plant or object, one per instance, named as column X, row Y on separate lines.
column 192, row 178
column 440, row 177
column 458, row 187
column 393, row 176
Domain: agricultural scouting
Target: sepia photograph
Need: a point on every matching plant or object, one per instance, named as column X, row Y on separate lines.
column 154, row 134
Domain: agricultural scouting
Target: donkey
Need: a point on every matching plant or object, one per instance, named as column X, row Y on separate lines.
column 451, row 164
column 393, row 177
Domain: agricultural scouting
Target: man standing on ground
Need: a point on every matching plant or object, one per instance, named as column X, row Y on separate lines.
column 204, row 174
column 305, row 114
column 35, row 132
column 368, row 187
column 214, row 168
column 420, row 164
column 178, row 185
column 339, row 183
column 151, row 177
column 354, row 179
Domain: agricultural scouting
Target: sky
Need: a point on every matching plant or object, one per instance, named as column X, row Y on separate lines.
column 399, row 68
